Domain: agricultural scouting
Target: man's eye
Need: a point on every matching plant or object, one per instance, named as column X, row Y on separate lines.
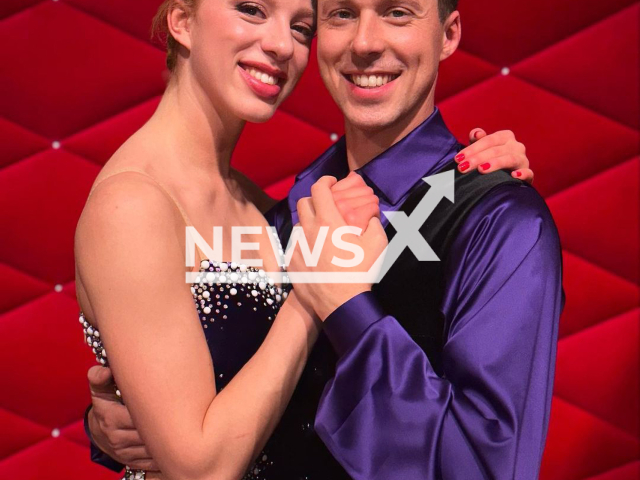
column 398, row 13
column 343, row 14
column 250, row 9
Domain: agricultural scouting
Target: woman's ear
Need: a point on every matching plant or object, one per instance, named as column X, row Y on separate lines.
column 179, row 23
column 452, row 35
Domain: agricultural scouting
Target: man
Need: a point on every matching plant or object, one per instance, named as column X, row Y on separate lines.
column 444, row 369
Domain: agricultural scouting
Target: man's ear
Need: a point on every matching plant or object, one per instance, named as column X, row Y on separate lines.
column 452, row 35
column 179, row 23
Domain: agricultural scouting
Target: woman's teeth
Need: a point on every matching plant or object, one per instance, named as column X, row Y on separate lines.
column 261, row 76
column 372, row 81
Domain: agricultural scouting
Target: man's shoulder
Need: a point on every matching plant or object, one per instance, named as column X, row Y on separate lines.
column 516, row 200
column 513, row 211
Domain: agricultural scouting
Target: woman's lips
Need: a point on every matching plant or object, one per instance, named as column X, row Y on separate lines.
column 260, row 88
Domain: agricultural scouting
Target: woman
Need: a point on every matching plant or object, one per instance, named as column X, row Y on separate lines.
column 204, row 408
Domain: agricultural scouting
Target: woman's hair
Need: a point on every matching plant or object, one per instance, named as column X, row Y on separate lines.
column 160, row 29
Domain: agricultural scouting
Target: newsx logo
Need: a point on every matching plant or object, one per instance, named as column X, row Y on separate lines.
column 407, row 236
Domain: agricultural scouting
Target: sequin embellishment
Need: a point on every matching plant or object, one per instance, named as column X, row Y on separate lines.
column 213, row 296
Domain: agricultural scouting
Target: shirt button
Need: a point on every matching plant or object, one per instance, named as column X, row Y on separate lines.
column 307, row 428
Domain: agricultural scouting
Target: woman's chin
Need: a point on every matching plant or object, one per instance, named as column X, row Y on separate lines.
column 259, row 115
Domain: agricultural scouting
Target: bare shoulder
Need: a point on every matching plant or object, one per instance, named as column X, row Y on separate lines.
column 253, row 192
column 128, row 223
column 126, row 197
column 126, row 212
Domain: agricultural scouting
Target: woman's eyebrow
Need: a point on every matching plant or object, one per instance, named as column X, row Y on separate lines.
column 306, row 12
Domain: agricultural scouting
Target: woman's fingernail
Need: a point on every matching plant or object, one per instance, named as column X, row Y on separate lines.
column 459, row 157
column 463, row 166
column 485, row 166
column 518, row 174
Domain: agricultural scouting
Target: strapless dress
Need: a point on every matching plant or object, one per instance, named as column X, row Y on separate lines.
column 236, row 305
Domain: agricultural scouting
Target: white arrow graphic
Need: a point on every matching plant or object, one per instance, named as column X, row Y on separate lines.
column 407, row 235
column 408, row 227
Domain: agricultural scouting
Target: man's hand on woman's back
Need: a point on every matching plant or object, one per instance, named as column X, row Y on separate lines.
column 111, row 426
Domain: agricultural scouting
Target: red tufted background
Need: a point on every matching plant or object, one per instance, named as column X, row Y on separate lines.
column 77, row 77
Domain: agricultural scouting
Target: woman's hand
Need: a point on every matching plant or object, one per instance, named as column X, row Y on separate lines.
column 497, row 151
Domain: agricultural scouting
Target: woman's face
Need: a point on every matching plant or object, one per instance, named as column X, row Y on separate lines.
column 248, row 55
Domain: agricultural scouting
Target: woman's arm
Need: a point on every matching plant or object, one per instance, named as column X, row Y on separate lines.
column 130, row 263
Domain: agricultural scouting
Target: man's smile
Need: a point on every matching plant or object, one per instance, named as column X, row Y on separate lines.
column 370, row 79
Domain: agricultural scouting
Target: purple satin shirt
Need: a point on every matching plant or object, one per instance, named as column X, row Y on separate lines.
column 386, row 414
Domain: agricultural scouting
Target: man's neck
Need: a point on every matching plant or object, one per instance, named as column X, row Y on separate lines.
column 365, row 145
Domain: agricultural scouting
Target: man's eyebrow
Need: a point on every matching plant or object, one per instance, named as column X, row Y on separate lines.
column 414, row 4
column 335, row 3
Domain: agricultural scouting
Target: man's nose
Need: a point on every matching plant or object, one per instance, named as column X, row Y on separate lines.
column 368, row 38
column 278, row 41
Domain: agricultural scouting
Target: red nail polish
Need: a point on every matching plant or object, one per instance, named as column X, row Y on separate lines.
column 463, row 166
column 518, row 174
column 485, row 166
column 459, row 157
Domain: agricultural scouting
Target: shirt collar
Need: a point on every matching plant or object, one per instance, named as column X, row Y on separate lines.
column 395, row 171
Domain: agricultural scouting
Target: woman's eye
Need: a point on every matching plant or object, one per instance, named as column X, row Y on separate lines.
column 304, row 30
column 251, row 10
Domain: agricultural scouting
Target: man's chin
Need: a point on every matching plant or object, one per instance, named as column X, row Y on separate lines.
column 372, row 120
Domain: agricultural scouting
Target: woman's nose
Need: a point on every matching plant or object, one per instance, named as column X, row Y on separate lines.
column 278, row 41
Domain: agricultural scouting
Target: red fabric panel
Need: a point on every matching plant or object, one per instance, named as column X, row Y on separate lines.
column 79, row 76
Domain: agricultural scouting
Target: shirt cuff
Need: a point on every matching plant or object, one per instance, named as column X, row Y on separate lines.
column 97, row 455
column 346, row 324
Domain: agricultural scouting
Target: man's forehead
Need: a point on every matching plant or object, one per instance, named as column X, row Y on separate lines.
column 416, row 4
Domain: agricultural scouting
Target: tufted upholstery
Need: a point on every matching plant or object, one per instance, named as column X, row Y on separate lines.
column 79, row 76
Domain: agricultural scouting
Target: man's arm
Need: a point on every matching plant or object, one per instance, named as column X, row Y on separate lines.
column 387, row 415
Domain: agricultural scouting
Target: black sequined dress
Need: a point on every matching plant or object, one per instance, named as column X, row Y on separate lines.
column 237, row 305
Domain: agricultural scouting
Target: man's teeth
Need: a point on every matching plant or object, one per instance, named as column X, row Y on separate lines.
column 263, row 77
column 372, row 81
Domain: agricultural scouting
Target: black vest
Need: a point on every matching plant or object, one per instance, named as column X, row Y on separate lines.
column 412, row 292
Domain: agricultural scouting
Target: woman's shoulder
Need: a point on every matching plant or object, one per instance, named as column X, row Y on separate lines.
column 127, row 184
column 125, row 200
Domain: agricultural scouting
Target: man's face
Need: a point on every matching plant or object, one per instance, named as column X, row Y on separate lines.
column 379, row 59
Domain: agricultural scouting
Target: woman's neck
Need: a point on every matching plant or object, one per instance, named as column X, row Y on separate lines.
column 197, row 135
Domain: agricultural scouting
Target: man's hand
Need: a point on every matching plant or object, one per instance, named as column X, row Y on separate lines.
column 321, row 211
column 355, row 200
column 497, row 151
column 111, row 425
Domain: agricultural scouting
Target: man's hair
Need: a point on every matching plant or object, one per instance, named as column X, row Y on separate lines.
column 446, row 7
